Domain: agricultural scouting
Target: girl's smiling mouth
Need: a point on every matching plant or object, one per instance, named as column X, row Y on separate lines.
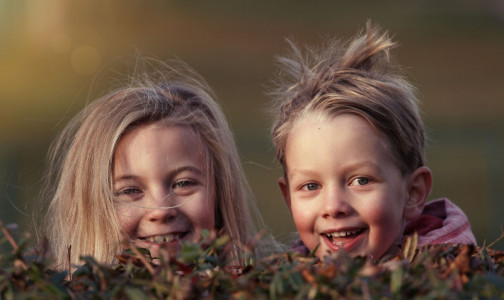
column 163, row 238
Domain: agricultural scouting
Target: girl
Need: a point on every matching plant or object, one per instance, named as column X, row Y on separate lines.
column 349, row 136
column 154, row 162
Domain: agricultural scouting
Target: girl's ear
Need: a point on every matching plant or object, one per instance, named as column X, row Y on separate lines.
column 419, row 187
column 284, row 187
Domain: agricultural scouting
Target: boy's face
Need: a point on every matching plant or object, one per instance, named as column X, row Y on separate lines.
column 343, row 188
column 161, row 185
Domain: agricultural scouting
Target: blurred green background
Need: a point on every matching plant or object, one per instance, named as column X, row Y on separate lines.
column 57, row 54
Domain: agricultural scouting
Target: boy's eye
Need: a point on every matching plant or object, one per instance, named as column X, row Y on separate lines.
column 360, row 181
column 311, row 186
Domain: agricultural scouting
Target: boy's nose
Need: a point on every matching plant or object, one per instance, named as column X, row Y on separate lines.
column 335, row 204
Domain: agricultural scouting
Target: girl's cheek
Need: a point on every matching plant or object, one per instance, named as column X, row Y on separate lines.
column 128, row 219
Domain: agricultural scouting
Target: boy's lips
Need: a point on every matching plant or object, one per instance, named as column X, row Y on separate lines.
column 347, row 238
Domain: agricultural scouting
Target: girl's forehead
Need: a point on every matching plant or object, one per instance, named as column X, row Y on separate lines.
column 184, row 137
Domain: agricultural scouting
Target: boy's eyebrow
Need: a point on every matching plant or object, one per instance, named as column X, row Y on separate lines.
column 178, row 170
column 304, row 172
column 363, row 164
column 346, row 168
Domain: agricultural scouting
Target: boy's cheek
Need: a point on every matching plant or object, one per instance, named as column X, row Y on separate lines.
column 302, row 214
column 305, row 231
column 304, row 221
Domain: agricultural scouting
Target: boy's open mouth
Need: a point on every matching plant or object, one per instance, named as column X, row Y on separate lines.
column 338, row 237
column 164, row 238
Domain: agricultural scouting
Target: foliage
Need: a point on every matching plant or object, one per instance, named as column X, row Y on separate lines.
column 202, row 271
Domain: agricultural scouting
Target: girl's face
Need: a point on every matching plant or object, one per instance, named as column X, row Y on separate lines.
column 163, row 189
column 343, row 188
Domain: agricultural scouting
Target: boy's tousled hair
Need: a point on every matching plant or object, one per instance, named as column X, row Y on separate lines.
column 81, row 211
column 355, row 78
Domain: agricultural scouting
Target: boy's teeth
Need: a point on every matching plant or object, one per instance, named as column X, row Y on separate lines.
column 342, row 233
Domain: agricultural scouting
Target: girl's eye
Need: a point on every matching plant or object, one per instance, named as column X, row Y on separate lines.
column 185, row 183
column 311, row 186
column 360, row 181
column 128, row 192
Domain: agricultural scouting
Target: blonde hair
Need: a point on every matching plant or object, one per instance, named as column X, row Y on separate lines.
column 355, row 78
column 81, row 212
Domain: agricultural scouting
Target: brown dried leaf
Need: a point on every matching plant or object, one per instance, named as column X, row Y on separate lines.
column 328, row 271
column 308, row 276
column 369, row 270
column 410, row 247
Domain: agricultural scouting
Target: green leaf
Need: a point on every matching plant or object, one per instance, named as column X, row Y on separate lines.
column 396, row 281
column 135, row 293
column 312, row 253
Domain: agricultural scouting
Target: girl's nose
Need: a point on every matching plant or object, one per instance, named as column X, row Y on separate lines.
column 335, row 204
column 162, row 208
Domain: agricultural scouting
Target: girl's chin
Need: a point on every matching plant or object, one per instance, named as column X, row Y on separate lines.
column 157, row 249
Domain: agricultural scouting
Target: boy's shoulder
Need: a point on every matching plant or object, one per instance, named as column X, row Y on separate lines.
column 441, row 221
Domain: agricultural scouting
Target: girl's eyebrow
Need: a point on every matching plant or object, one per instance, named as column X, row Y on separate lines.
column 192, row 169
column 125, row 178
column 178, row 170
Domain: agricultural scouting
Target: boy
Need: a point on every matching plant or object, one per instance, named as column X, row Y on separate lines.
column 348, row 134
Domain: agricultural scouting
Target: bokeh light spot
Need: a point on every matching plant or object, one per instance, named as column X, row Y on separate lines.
column 85, row 60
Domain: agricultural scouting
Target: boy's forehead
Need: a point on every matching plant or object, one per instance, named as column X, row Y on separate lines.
column 352, row 126
column 321, row 119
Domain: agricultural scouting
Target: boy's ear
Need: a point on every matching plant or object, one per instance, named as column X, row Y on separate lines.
column 419, row 187
column 284, row 187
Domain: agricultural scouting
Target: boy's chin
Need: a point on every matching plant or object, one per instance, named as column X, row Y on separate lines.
column 389, row 254
column 377, row 255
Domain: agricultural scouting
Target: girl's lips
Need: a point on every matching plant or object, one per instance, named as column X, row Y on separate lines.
column 346, row 239
column 163, row 238
column 155, row 243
